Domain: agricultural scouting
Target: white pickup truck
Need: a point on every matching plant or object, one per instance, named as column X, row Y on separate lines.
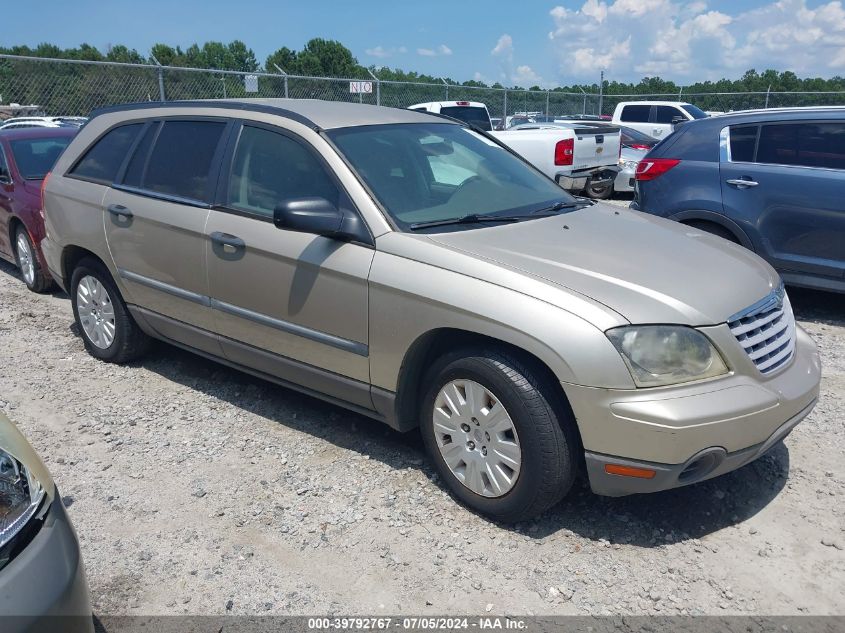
column 655, row 118
column 576, row 156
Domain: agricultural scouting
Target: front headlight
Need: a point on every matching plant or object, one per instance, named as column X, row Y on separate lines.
column 666, row 354
column 20, row 496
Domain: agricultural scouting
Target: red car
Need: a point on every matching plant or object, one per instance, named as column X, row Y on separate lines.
column 26, row 156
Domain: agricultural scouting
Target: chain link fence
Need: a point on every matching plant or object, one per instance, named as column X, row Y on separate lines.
column 75, row 87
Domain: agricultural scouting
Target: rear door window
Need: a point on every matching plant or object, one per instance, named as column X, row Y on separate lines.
column 181, row 160
column 5, row 174
column 803, row 144
column 102, row 162
column 743, row 142
column 665, row 114
column 137, row 164
column 636, row 113
column 269, row 167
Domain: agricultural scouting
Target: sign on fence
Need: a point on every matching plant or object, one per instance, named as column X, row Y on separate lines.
column 251, row 83
column 361, row 87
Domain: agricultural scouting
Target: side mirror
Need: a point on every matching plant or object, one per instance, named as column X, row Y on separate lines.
column 5, row 177
column 678, row 120
column 321, row 217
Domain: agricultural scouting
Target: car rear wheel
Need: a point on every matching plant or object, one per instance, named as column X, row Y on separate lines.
column 715, row 229
column 494, row 435
column 108, row 330
column 599, row 192
column 31, row 271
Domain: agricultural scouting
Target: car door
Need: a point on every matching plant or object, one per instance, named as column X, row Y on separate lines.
column 637, row 116
column 788, row 179
column 155, row 220
column 661, row 120
column 7, row 187
column 286, row 302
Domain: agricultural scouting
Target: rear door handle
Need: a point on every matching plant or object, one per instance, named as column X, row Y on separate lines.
column 742, row 183
column 233, row 242
column 118, row 210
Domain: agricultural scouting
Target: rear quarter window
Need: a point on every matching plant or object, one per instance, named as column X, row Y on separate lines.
column 103, row 160
column 636, row 113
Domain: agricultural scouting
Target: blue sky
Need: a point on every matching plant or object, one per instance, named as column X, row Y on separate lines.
column 523, row 42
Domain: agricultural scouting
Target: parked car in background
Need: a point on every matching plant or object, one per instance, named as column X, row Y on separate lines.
column 26, row 156
column 655, row 118
column 42, row 579
column 312, row 243
column 635, row 145
column 42, row 121
column 770, row 180
column 471, row 112
column 579, row 156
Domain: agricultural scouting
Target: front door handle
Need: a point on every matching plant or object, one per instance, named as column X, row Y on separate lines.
column 119, row 211
column 742, row 183
column 230, row 242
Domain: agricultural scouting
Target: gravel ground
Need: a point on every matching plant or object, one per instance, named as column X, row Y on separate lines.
column 197, row 489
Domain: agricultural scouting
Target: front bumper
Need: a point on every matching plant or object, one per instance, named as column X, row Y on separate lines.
column 694, row 431
column 44, row 587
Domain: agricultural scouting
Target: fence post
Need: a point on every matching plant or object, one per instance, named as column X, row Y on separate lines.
column 547, row 103
column 286, row 78
column 768, row 90
column 447, row 88
column 160, row 72
column 378, row 86
column 505, row 108
column 601, row 93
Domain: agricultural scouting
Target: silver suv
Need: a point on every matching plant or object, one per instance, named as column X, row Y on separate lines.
column 414, row 270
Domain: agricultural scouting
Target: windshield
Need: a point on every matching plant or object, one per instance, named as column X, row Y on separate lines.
column 36, row 157
column 469, row 114
column 423, row 172
column 695, row 113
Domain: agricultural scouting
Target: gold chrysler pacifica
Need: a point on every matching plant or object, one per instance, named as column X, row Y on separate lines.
column 412, row 269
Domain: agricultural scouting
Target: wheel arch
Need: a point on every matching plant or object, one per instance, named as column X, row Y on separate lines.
column 431, row 345
column 685, row 217
column 71, row 256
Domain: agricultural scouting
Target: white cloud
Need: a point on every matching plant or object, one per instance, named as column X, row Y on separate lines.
column 441, row 50
column 381, row 52
column 520, row 75
column 688, row 41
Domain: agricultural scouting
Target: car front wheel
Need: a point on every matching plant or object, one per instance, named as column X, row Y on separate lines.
column 490, row 426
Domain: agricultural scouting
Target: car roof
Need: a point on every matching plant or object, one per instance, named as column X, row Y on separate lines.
column 325, row 115
column 771, row 114
column 26, row 133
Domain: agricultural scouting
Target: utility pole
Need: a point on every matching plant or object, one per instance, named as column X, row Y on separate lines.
column 378, row 86
column 601, row 92
column 160, row 77
column 286, row 78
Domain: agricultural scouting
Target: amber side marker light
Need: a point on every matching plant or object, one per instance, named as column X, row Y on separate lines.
column 629, row 471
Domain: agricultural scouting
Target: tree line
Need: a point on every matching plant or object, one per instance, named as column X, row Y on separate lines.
column 73, row 88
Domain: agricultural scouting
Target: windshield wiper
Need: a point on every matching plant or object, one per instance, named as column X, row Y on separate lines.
column 560, row 206
column 470, row 218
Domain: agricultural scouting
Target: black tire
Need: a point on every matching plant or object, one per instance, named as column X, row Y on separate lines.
column 547, row 435
column 599, row 193
column 41, row 281
column 714, row 229
column 129, row 341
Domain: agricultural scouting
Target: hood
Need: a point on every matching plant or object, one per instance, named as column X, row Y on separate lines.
column 647, row 269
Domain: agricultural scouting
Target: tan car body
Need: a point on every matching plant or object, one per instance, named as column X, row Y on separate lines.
column 355, row 323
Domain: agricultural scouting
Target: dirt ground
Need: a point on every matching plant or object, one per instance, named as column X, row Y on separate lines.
column 198, row 489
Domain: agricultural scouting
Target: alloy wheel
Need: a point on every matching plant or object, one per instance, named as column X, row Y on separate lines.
column 96, row 311
column 26, row 260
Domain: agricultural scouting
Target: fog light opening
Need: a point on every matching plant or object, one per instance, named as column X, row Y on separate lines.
column 700, row 467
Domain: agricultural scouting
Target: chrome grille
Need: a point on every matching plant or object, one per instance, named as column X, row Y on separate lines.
column 766, row 331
